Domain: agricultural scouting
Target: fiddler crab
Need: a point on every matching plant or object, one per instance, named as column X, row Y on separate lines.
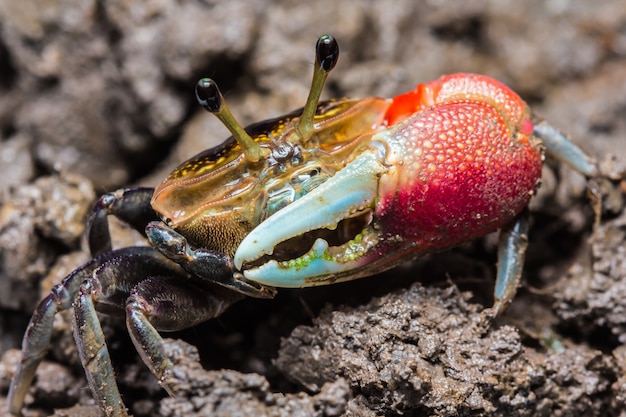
column 335, row 191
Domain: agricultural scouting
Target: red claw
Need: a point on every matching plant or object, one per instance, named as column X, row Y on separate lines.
column 469, row 162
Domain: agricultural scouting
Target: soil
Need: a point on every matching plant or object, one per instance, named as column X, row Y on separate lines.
column 99, row 95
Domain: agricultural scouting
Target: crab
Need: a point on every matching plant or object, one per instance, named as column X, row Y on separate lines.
column 335, row 191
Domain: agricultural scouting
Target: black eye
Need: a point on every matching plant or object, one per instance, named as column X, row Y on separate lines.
column 327, row 50
column 208, row 95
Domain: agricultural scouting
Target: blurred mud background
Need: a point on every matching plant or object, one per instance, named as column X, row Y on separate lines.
column 96, row 95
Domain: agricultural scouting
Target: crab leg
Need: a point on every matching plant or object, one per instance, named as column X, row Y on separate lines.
column 132, row 205
column 37, row 337
column 559, row 146
column 170, row 304
column 106, row 288
column 159, row 296
column 117, row 272
column 512, row 246
column 514, row 237
column 94, row 354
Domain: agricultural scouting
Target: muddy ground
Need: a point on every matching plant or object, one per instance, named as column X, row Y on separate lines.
column 99, row 95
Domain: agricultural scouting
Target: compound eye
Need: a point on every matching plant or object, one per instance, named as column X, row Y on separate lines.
column 327, row 51
column 208, row 95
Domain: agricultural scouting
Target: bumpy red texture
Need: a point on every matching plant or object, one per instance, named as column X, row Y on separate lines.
column 462, row 167
column 458, row 87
